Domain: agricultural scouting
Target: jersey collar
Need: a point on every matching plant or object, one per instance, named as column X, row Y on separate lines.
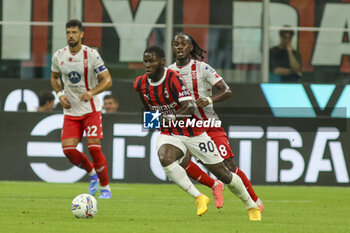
column 185, row 66
column 73, row 55
column 160, row 80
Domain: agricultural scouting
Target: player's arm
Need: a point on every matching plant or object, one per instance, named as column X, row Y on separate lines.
column 224, row 92
column 186, row 109
column 104, row 84
column 183, row 95
column 143, row 102
column 57, row 86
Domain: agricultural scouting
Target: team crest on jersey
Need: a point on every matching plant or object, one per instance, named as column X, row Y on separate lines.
column 166, row 93
column 74, row 77
column 194, row 74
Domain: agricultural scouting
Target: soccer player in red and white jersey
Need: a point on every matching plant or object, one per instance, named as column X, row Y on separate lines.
column 164, row 91
column 81, row 68
column 200, row 79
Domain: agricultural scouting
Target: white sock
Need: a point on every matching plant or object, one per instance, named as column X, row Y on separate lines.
column 237, row 187
column 106, row 187
column 93, row 172
column 178, row 175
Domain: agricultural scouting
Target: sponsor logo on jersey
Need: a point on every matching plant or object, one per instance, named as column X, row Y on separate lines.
column 166, row 107
column 184, row 92
column 74, row 77
column 146, row 96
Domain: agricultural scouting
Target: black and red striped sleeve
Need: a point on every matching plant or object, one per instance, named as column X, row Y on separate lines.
column 137, row 84
column 179, row 88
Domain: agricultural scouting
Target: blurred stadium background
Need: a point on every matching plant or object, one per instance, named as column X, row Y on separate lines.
column 294, row 134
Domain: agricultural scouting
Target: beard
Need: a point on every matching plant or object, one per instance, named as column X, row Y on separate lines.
column 73, row 44
column 181, row 58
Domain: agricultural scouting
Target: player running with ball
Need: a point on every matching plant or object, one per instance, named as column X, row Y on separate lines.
column 164, row 90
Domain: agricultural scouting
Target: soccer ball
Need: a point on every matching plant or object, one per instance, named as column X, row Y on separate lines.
column 84, row 206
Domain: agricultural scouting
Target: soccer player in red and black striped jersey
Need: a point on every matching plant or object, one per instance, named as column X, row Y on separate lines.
column 168, row 95
column 164, row 90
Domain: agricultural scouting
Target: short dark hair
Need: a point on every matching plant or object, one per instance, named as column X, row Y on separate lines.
column 157, row 50
column 286, row 31
column 45, row 96
column 110, row 97
column 75, row 23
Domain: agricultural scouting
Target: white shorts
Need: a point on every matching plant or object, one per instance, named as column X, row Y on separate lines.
column 201, row 147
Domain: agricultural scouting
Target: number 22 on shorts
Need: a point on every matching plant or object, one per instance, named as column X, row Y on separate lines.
column 91, row 131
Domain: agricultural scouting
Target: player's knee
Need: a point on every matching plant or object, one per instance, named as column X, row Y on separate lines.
column 164, row 159
column 97, row 155
column 73, row 155
column 166, row 155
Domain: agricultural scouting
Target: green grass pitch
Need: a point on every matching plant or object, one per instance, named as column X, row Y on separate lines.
column 39, row 207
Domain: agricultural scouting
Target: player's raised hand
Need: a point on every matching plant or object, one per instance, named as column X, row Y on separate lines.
column 86, row 96
column 202, row 102
column 65, row 102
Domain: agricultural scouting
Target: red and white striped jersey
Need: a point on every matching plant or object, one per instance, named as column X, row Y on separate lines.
column 200, row 78
column 79, row 74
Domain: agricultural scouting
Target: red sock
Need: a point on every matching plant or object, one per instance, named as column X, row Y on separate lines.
column 197, row 174
column 247, row 184
column 77, row 158
column 100, row 163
